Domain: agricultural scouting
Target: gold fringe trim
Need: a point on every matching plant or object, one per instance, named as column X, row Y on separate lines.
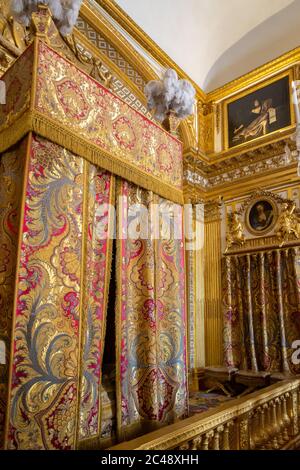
column 57, row 133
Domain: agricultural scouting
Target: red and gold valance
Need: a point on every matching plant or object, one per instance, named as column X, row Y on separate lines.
column 52, row 97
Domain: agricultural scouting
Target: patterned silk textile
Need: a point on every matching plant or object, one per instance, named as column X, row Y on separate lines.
column 64, row 139
column 262, row 310
column 11, row 177
column 61, row 285
column 151, row 321
column 69, row 108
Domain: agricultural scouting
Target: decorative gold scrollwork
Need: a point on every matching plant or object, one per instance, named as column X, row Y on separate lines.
column 288, row 223
column 235, row 234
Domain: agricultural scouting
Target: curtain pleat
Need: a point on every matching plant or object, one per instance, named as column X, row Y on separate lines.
column 262, row 309
column 151, row 321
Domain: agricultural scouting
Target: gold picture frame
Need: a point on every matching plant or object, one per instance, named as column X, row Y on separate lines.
column 261, row 216
column 252, row 91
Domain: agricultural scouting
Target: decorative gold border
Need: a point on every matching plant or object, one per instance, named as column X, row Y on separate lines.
column 119, row 15
column 247, row 215
column 255, row 76
column 250, row 90
column 16, row 289
column 82, row 293
column 50, row 129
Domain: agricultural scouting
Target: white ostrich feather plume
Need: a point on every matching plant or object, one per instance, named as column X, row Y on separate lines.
column 170, row 94
column 65, row 12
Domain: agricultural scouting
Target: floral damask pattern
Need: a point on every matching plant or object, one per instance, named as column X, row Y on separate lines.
column 18, row 81
column 261, row 302
column 11, row 177
column 97, row 273
column 44, row 389
column 151, row 367
column 84, row 106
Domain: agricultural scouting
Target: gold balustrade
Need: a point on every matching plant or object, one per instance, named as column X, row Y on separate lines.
column 266, row 419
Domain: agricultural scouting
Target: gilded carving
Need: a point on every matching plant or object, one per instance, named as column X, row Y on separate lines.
column 86, row 58
column 235, row 234
column 234, row 421
column 212, row 210
column 244, row 434
column 283, row 228
column 11, row 32
column 288, row 223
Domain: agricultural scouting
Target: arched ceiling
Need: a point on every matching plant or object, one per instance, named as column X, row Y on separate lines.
column 215, row 41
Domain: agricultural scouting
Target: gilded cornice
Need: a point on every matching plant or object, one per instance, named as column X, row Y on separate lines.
column 252, row 146
column 212, row 210
column 116, row 12
column 102, row 25
column 255, row 76
column 279, row 177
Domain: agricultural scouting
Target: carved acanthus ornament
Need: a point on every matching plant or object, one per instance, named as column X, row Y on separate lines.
column 235, row 234
column 206, row 113
column 14, row 38
column 212, row 210
column 285, row 231
column 288, row 223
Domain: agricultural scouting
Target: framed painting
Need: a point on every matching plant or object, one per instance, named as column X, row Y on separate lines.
column 254, row 114
column 261, row 216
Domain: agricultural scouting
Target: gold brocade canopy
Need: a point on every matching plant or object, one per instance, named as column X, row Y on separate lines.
column 47, row 94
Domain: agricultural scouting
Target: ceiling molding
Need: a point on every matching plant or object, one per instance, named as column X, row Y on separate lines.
column 119, row 15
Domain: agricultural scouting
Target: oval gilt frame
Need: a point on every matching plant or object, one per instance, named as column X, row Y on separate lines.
column 270, row 227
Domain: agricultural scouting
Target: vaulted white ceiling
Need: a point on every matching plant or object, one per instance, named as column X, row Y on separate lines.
column 215, row 41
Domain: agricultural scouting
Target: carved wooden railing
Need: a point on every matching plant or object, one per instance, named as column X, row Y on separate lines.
column 266, row 419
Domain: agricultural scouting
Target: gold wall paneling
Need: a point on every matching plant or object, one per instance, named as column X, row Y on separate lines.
column 213, row 322
column 195, row 268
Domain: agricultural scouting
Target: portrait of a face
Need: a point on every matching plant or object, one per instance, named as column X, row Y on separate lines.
column 261, row 216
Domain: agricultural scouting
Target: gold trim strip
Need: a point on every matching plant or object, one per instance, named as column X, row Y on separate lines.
column 82, row 293
column 19, row 245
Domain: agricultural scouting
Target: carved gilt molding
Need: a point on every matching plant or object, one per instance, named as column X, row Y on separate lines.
column 283, row 228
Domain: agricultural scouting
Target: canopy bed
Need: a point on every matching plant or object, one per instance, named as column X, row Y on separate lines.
column 74, row 156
